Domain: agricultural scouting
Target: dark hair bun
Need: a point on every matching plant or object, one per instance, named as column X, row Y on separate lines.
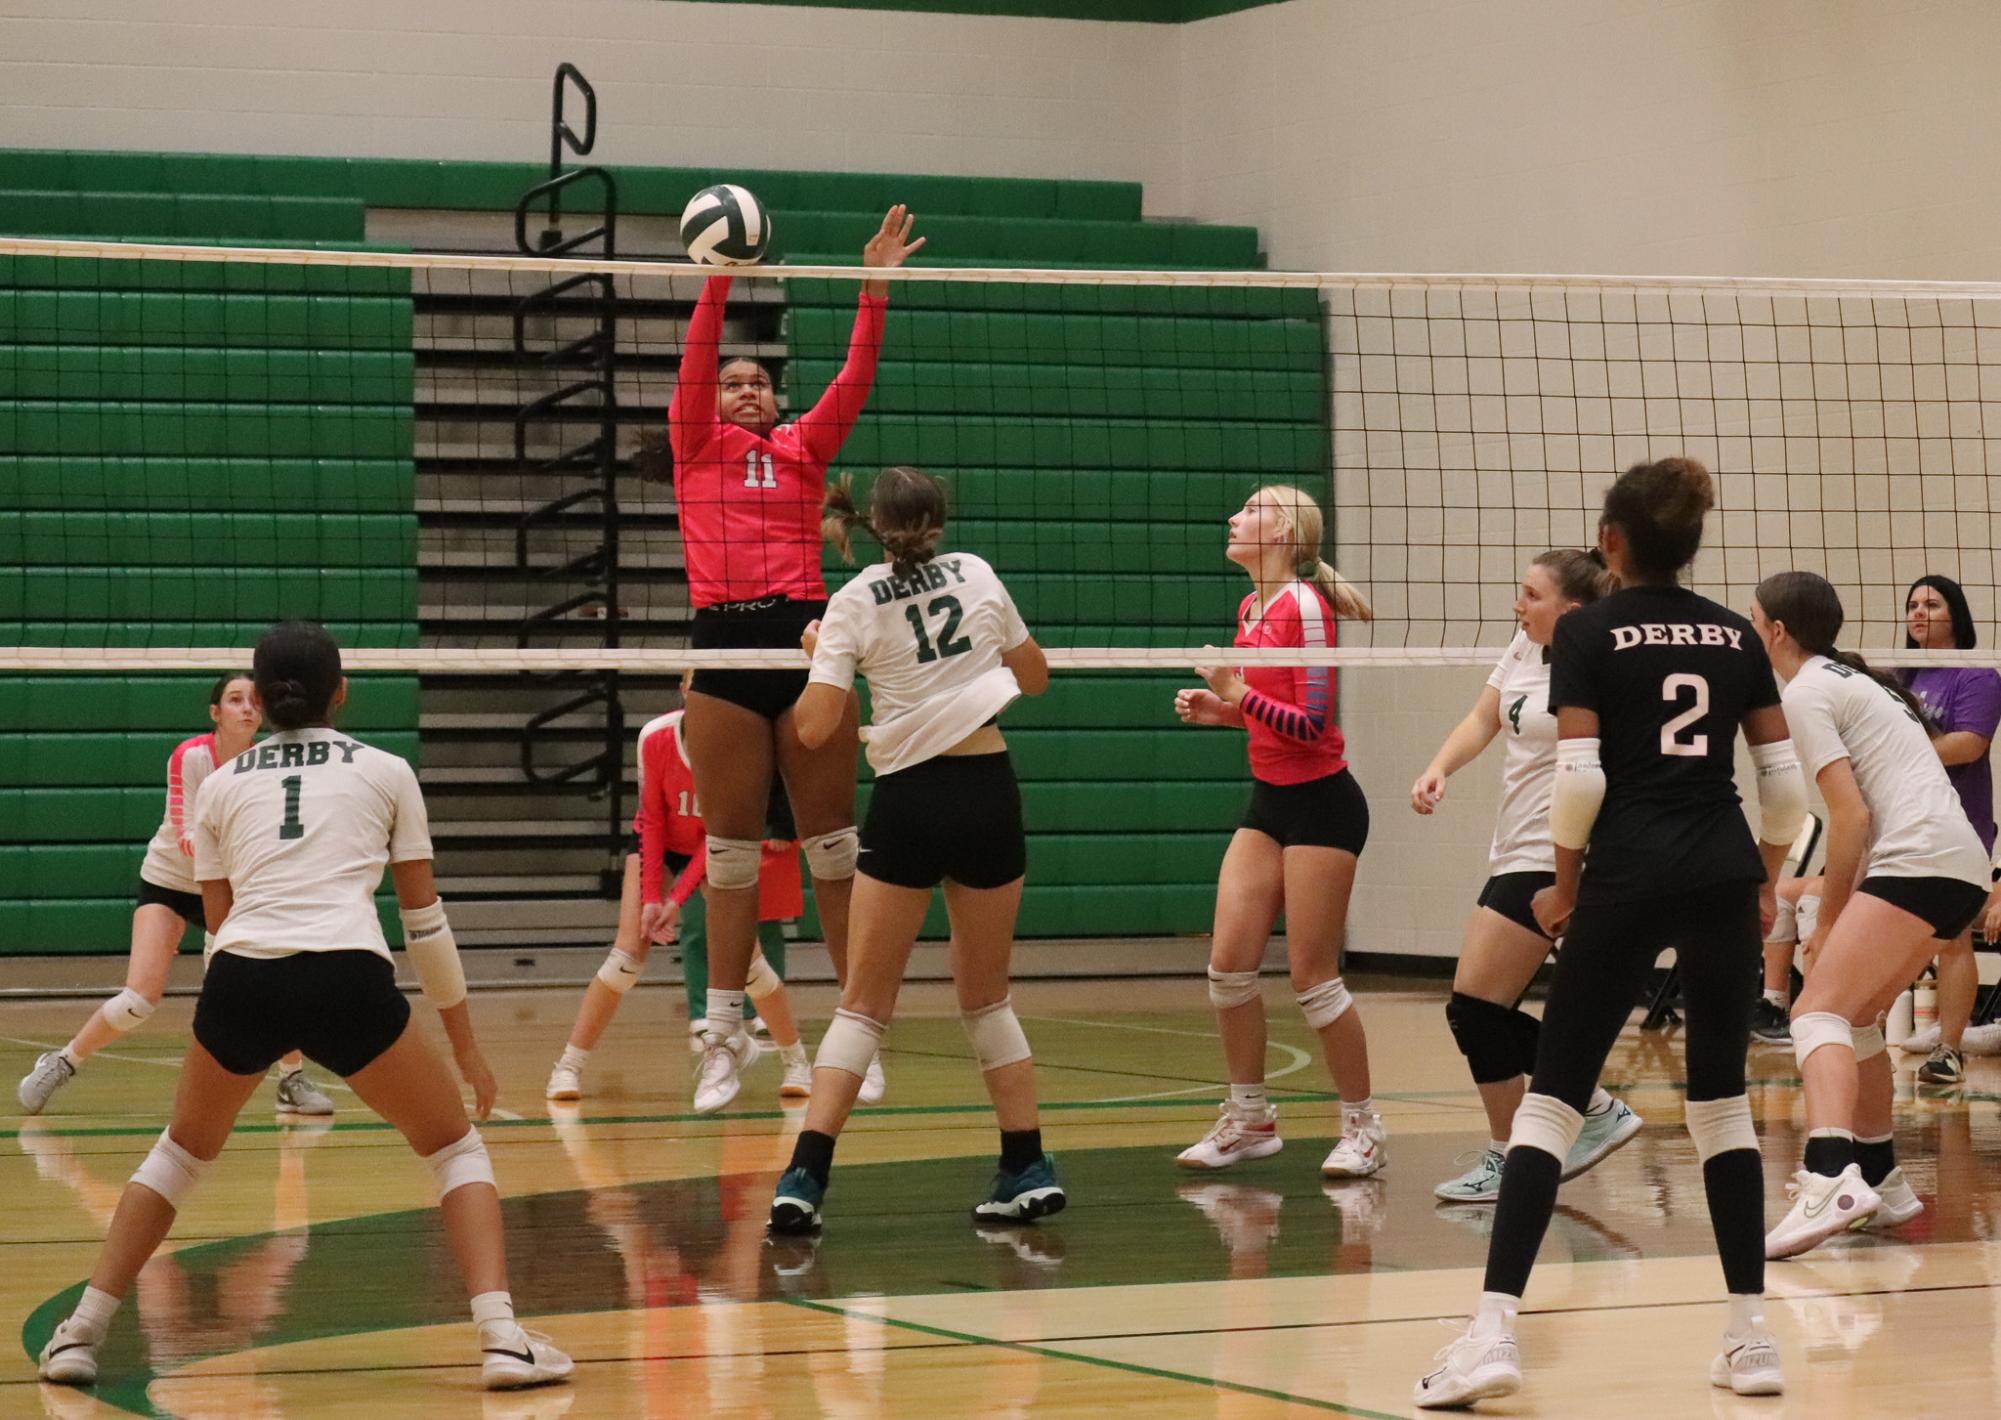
column 298, row 670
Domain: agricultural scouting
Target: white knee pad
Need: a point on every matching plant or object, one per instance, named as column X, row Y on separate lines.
column 1232, row 988
column 1546, row 1123
column 1326, row 1003
column 1869, row 1042
column 762, row 980
column 170, row 1171
column 996, row 1035
column 850, row 1043
column 832, row 856
column 733, row 862
column 128, row 1010
column 1813, row 1029
column 621, row 971
column 1718, row 1126
column 461, row 1163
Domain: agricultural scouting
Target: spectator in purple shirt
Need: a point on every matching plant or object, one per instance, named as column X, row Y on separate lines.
column 1962, row 706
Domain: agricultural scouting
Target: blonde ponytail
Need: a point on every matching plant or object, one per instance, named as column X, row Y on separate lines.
column 1304, row 518
column 1343, row 595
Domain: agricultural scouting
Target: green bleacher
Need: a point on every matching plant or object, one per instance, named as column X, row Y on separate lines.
column 1095, row 438
column 188, row 451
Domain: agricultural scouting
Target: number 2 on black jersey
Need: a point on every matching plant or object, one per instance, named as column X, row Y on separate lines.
column 950, row 643
column 291, row 828
column 1675, row 690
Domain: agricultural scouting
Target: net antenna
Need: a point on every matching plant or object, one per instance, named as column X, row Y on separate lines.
column 570, row 384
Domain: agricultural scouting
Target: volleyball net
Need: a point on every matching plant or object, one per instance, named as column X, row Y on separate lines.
column 454, row 462
column 432, row 454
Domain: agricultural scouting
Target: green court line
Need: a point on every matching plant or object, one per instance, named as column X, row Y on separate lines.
column 1106, row 1363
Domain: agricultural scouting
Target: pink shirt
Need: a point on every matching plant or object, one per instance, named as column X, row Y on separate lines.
column 750, row 504
column 1290, row 709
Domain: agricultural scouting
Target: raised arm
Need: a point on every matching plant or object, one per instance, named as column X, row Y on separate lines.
column 692, row 411
column 825, row 427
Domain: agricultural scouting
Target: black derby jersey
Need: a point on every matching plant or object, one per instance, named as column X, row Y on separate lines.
column 1671, row 676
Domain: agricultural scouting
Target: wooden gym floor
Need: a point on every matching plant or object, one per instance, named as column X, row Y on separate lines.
column 307, row 1278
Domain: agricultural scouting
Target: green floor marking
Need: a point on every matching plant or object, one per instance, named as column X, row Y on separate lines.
column 1035, row 1348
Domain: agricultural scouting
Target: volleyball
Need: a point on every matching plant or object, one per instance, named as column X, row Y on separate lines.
column 725, row 225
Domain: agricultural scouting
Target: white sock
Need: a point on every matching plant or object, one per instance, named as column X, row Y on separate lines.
column 1357, row 1109
column 493, row 1314
column 574, row 1056
column 285, row 1072
column 94, row 1310
column 68, row 1053
column 1747, row 1312
column 725, row 1012
column 793, row 1054
column 1600, row 1101
column 1248, row 1099
column 1498, row 1146
column 1496, row 1313
column 1778, row 996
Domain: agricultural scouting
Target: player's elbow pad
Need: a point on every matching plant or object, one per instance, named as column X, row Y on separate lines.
column 1781, row 791
column 427, row 937
column 1578, row 794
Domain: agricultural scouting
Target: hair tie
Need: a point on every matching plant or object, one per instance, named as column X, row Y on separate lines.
column 1308, row 567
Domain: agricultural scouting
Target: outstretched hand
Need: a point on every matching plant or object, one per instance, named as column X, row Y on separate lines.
column 892, row 246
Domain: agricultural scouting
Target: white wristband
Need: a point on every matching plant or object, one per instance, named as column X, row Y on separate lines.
column 1578, row 793
column 427, row 937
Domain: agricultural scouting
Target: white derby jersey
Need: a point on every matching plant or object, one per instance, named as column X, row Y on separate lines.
column 930, row 648
column 302, row 826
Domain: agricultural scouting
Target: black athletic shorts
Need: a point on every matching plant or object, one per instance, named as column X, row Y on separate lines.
column 774, row 622
column 341, row 1008
column 1948, row 904
column 669, row 859
column 188, row 904
column 1513, row 895
column 1321, row 813
column 957, row 816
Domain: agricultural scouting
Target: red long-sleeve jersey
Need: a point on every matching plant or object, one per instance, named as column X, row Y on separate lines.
column 750, row 505
column 669, row 820
column 1290, row 709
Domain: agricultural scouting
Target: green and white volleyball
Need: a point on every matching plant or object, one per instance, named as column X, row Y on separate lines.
column 725, row 225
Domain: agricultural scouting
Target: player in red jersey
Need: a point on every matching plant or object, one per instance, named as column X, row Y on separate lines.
column 1301, row 836
column 668, row 827
column 167, row 903
column 748, row 492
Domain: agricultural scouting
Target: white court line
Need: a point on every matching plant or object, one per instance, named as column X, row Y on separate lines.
column 1120, row 1025
column 1300, row 1060
column 329, row 1082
